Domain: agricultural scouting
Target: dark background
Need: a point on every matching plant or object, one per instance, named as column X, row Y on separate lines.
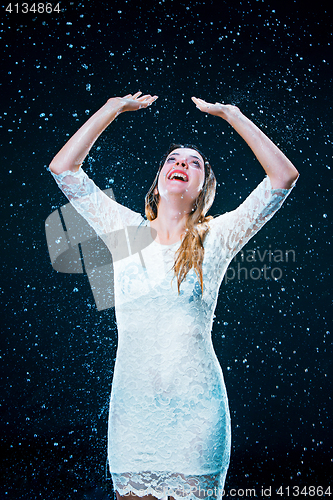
column 273, row 60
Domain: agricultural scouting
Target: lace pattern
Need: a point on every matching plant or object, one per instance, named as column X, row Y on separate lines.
column 169, row 422
column 163, row 484
column 102, row 212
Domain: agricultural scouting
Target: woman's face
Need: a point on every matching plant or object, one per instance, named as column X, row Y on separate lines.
column 183, row 173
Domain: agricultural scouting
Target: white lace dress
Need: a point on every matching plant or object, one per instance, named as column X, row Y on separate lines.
column 169, row 423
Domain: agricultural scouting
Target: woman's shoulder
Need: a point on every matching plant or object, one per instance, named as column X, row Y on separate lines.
column 97, row 206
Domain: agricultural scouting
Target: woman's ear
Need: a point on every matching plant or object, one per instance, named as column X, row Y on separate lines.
column 156, row 191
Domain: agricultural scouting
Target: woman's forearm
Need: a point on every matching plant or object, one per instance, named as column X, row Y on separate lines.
column 71, row 156
column 280, row 170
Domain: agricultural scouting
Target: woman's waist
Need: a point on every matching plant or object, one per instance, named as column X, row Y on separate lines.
column 166, row 353
column 168, row 376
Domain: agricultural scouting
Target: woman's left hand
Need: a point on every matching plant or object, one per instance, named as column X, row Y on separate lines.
column 224, row 111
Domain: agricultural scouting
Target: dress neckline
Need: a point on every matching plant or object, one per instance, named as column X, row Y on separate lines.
column 162, row 244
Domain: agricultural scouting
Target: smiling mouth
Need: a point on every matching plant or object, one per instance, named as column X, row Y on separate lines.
column 178, row 175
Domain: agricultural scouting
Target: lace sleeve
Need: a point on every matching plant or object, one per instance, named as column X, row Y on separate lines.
column 101, row 212
column 234, row 229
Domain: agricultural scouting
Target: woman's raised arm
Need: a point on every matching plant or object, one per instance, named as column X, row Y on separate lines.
column 279, row 169
column 71, row 156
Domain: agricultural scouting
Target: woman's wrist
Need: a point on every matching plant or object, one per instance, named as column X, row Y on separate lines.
column 114, row 105
column 232, row 114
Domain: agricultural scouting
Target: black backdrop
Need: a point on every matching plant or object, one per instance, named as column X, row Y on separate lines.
column 272, row 337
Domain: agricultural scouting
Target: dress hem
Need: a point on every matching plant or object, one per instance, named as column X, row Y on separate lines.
column 162, row 484
column 189, row 495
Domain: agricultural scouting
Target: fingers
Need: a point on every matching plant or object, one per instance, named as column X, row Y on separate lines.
column 132, row 96
column 197, row 101
column 147, row 97
column 153, row 99
column 139, row 97
column 143, row 99
column 134, row 102
column 147, row 100
column 201, row 104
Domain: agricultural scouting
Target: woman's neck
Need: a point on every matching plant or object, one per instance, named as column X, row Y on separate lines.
column 170, row 222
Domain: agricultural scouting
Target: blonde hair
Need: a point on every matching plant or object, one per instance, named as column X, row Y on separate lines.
column 191, row 251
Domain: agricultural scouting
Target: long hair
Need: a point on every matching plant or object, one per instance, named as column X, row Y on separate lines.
column 191, row 251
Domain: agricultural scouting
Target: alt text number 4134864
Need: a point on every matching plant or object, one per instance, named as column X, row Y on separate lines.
column 304, row 491
column 34, row 8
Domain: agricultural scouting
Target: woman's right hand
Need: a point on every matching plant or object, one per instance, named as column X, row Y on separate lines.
column 133, row 102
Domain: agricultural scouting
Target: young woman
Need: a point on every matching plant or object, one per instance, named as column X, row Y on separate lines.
column 169, row 423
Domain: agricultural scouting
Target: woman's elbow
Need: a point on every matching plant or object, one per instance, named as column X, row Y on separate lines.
column 285, row 181
column 58, row 167
column 53, row 167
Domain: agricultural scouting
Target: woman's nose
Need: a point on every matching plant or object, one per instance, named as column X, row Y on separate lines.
column 182, row 163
